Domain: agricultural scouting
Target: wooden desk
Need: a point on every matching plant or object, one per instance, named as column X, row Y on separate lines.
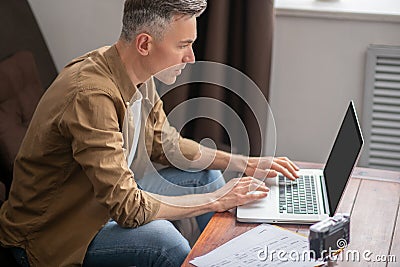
column 372, row 197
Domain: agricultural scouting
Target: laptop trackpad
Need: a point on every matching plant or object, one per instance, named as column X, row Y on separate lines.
column 260, row 207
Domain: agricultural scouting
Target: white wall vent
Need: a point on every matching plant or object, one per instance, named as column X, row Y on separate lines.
column 381, row 108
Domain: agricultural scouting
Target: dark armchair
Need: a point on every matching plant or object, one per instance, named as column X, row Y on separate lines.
column 26, row 70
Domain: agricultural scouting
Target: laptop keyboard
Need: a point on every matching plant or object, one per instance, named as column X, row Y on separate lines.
column 299, row 196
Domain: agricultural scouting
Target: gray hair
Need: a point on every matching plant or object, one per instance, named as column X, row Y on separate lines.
column 154, row 16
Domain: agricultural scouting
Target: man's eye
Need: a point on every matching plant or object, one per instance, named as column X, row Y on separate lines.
column 183, row 46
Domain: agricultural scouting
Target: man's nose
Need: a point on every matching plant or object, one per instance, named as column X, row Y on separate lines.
column 189, row 58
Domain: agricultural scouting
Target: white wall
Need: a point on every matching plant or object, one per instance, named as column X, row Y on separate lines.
column 318, row 66
column 74, row 27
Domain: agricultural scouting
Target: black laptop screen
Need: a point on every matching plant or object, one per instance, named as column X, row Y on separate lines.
column 343, row 157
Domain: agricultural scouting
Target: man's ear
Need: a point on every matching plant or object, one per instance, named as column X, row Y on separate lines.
column 143, row 43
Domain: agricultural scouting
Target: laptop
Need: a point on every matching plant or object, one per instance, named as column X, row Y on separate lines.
column 316, row 194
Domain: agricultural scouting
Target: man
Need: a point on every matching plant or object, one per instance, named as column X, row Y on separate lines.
column 72, row 175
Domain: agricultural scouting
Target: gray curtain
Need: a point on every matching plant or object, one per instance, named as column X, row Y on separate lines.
column 237, row 33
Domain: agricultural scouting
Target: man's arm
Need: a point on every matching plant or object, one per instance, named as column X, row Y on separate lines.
column 170, row 148
column 259, row 167
column 234, row 193
column 91, row 122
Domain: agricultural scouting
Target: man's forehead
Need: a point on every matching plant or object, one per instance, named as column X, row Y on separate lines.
column 184, row 29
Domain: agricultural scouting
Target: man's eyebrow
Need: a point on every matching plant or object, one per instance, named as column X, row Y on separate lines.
column 188, row 41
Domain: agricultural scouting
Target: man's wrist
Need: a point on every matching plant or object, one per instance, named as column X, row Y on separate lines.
column 215, row 204
column 238, row 163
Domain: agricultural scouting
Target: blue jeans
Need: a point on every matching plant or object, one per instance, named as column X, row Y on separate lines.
column 157, row 243
column 20, row 257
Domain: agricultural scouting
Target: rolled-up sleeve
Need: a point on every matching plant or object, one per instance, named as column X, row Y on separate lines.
column 169, row 147
column 92, row 124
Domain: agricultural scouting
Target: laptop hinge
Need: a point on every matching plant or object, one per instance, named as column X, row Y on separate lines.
column 324, row 195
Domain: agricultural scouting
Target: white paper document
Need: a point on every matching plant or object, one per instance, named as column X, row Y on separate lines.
column 265, row 245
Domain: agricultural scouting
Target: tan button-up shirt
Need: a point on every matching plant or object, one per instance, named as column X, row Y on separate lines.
column 71, row 174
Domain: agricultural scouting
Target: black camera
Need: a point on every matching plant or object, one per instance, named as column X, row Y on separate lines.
column 330, row 235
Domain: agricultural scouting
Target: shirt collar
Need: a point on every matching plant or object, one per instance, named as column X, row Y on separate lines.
column 119, row 73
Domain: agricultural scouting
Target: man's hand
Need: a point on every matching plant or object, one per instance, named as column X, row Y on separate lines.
column 239, row 191
column 268, row 167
